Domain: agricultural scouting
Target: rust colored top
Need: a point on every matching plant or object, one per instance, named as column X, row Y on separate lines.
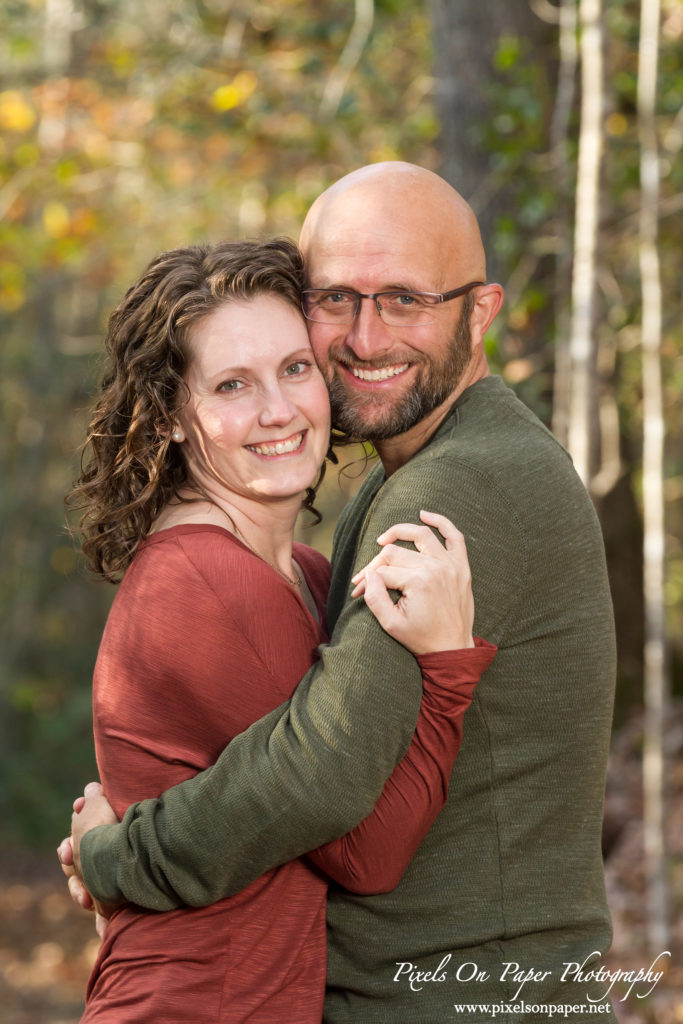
column 203, row 639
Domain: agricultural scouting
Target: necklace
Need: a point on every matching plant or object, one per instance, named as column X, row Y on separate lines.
column 292, row 582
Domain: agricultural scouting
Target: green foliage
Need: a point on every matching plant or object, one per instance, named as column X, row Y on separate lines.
column 145, row 126
column 141, row 127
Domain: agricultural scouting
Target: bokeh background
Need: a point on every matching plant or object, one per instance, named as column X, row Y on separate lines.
column 132, row 127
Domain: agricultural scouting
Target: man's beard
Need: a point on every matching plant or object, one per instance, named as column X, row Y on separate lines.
column 436, row 379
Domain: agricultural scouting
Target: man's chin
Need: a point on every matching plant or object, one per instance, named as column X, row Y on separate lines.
column 373, row 424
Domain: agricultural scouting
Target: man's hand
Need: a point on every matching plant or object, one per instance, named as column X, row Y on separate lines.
column 90, row 810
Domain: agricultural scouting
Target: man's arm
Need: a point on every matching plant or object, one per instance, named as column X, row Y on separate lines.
column 303, row 775
column 374, row 856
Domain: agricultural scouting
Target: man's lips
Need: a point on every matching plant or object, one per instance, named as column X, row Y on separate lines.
column 282, row 447
column 375, row 375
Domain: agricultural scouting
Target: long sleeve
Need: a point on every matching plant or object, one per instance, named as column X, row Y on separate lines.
column 373, row 857
column 312, row 770
column 304, row 774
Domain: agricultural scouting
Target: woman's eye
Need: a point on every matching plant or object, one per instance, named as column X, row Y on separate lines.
column 295, row 369
column 231, row 385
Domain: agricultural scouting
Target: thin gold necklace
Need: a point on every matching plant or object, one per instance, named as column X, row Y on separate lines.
column 292, row 582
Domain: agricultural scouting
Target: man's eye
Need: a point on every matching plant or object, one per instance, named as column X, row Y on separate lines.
column 335, row 299
column 405, row 299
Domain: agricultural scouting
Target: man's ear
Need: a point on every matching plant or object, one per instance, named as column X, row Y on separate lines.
column 487, row 303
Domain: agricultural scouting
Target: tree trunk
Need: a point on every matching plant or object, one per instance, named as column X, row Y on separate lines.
column 466, row 36
column 559, row 139
column 360, row 32
column 653, row 489
column 582, row 350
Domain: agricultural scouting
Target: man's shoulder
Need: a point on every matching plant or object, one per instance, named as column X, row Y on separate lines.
column 491, row 439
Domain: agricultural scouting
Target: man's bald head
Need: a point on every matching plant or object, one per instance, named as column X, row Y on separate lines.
column 385, row 204
column 396, row 228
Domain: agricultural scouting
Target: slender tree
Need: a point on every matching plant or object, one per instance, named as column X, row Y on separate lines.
column 559, row 138
column 364, row 14
column 653, row 485
column 582, row 343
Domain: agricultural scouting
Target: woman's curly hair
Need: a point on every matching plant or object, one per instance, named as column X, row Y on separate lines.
column 130, row 469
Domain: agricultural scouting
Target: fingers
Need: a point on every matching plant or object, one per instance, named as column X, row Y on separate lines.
column 91, row 789
column 377, row 599
column 423, row 537
column 393, row 577
column 79, row 893
column 394, row 555
column 65, row 854
column 450, row 533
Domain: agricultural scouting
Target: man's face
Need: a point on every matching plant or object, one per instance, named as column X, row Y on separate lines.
column 380, row 397
column 383, row 380
column 394, row 227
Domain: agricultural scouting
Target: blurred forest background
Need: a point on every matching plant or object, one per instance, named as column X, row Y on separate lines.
column 132, row 127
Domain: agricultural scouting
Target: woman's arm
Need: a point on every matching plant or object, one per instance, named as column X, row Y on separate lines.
column 374, row 856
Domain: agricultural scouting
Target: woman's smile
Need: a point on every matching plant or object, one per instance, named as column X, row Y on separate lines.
column 287, row 446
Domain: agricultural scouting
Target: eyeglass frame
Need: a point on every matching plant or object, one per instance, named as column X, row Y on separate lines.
column 359, row 296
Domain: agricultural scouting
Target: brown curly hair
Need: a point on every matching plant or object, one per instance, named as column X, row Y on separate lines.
column 130, row 469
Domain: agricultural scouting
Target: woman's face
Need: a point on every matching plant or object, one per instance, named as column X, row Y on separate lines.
column 257, row 423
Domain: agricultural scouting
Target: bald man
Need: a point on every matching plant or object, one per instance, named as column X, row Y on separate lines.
column 501, row 914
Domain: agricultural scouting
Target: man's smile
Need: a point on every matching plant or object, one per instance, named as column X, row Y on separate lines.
column 379, row 374
column 369, row 375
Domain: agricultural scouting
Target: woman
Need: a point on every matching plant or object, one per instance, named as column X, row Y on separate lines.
column 212, row 422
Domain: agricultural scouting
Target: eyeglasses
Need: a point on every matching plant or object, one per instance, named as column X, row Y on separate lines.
column 397, row 308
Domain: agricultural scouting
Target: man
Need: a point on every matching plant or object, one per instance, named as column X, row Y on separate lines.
column 502, row 911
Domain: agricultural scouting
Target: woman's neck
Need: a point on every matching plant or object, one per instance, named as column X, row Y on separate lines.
column 266, row 527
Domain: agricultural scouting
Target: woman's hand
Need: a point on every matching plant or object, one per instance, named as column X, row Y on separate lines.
column 435, row 611
column 90, row 810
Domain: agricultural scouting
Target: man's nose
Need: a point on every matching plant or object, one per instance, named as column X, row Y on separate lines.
column 368, row 336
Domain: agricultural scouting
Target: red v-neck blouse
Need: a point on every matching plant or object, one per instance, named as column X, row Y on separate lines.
column 204, row 638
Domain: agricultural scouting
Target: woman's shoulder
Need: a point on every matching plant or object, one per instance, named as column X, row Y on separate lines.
column 203, row 551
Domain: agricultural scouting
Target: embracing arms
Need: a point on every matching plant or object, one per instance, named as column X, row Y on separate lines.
column 305, row 774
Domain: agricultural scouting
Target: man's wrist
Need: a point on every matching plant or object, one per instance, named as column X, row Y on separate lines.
column 96, row 863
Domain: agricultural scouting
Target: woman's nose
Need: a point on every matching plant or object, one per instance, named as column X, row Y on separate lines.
column 277, row 409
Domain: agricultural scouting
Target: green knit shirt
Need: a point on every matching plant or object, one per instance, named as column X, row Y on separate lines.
column 508, row 884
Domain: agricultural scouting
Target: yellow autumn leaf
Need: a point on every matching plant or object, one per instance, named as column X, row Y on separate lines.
column 56, row 219
column 226, row 97
column 616, row 124
column 16, row 115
